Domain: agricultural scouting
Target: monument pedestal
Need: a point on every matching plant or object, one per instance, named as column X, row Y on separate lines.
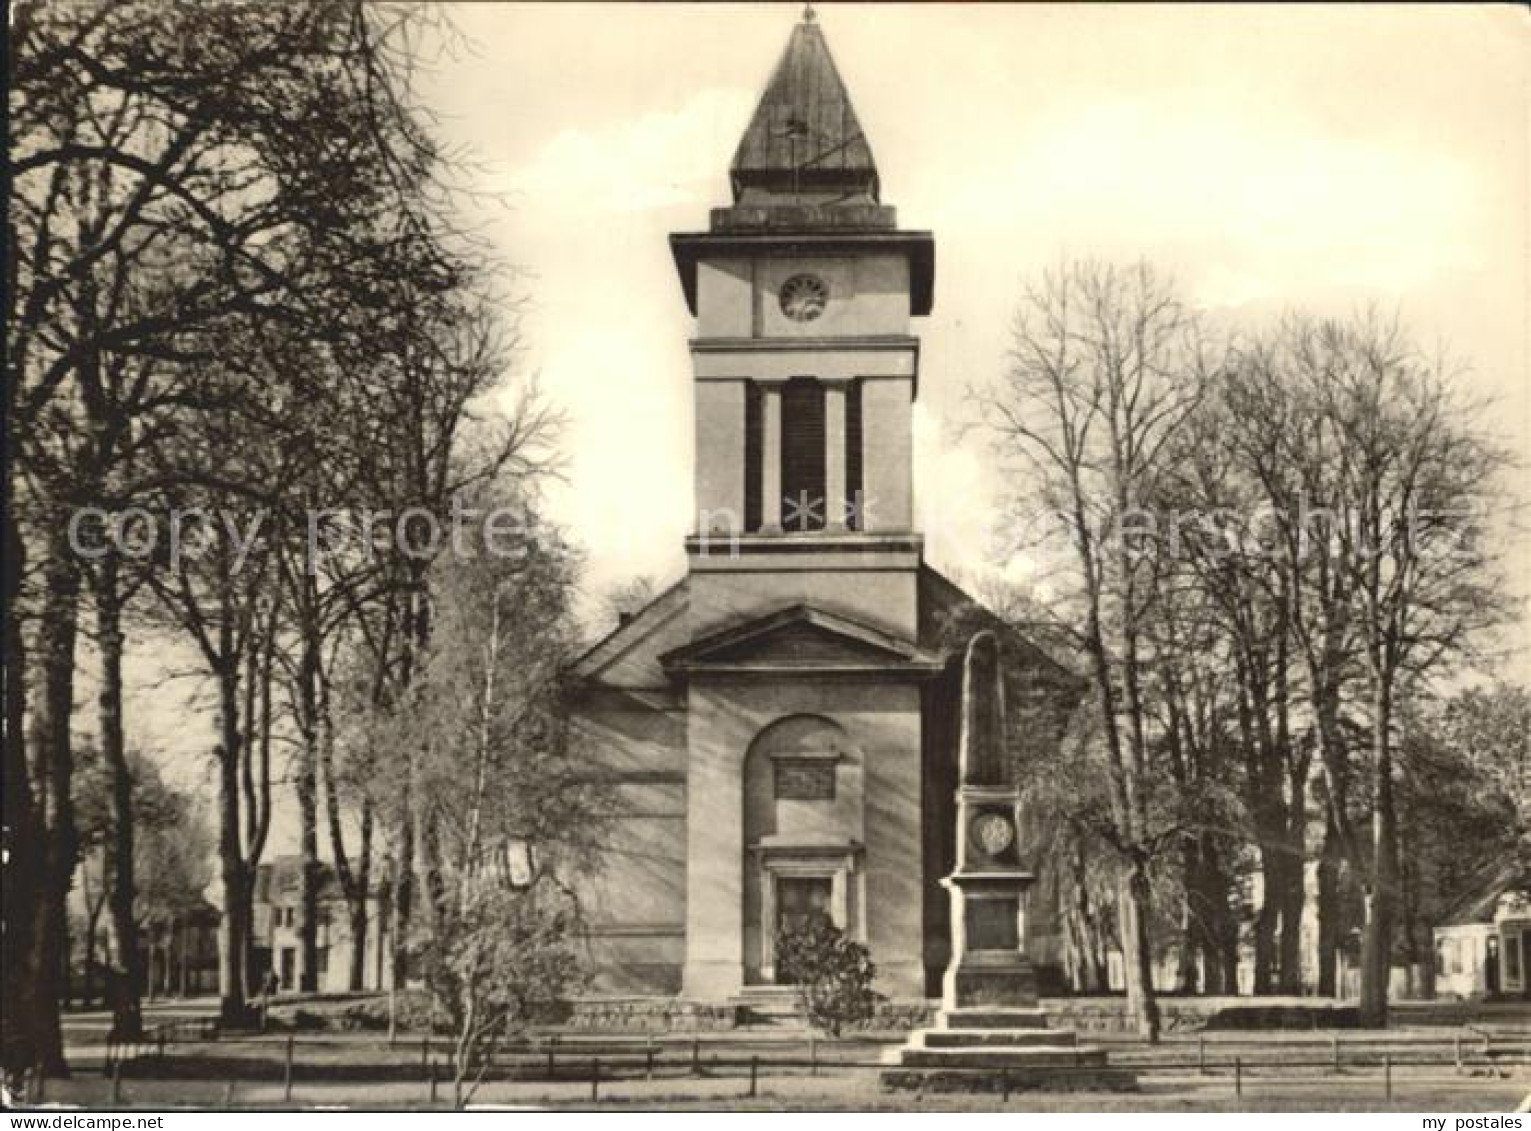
column 1000, row 1050
column 991, row 1035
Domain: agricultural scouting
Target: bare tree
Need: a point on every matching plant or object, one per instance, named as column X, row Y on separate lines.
column 1371, row 468
column 505, row 816
column 182, row 178
column 1241, row 623
column 1106, row 364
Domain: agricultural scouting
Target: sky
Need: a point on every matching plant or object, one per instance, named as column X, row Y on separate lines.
column 1322, row 157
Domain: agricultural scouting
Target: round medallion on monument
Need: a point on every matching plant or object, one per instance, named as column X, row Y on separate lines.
column 803, row 297
column 993, row 832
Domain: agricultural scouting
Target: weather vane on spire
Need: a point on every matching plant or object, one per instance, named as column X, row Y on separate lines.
column 809, row 15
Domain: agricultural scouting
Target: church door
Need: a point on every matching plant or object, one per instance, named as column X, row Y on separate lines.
column 798, row 900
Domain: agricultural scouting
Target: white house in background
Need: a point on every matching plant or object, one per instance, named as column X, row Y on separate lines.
column 278, row 893
column 1483, row 948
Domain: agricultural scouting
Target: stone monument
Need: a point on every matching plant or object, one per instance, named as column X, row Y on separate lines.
column 991, row 1032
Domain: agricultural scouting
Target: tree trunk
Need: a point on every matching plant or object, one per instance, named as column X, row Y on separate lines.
column 255, row 768
column 1263, row 799
column 357, row 976
column 127, row 1018
column 401, row 900
column 54, row 764
column 1329, row 910
column 1293, row 893
column 1192, row 925
column 253, row 974
column 92, row 931
column 1380, row 898
column 402, row 881
column 23, row 840
column 356, row 973
column 64, row 966
column 1138, row 967
column 1220, row 937
column 1271, row 872
column 308, row 814
column 233, row 925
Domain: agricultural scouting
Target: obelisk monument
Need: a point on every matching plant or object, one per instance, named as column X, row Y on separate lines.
column 989, row 883
column 991, row 1033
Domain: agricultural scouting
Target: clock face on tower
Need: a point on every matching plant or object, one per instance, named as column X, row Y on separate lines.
column 993, row 832
column 803, row 297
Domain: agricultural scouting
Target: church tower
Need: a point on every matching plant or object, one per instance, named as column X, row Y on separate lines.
column 778, row 728
column 803, row 669
column 805, row 370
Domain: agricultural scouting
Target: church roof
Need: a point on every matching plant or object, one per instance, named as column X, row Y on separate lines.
column 805, row 138
column 645, row 651
column 1479, row 901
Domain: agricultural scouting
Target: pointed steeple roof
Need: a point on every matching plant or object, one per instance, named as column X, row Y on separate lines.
column 804, row 144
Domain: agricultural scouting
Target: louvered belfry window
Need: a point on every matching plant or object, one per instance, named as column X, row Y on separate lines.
column 804, row 504
column 854, row 489
column 804, row 475
column 752, row 425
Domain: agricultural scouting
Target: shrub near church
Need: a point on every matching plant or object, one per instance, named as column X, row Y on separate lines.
column 833, row 974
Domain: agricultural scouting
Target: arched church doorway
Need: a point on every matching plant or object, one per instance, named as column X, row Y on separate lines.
column 803, row 835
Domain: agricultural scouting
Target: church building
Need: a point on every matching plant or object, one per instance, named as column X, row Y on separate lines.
column 777, row 731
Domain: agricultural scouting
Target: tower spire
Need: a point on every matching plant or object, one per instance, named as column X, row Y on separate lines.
column 804, row 144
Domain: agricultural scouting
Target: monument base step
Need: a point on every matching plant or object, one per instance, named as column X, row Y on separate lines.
column 1093, row 1078
column 992, row 1017
column 1011, row 1056
column 981, row 1038
column 971, row 1051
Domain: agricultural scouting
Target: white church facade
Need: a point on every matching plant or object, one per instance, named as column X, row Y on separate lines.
column 778, row 729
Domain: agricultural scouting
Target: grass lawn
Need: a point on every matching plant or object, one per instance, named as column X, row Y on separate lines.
column 1281, row 1072
column 834, row 1089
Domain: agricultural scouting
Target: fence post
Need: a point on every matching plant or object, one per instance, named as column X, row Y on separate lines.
column 813, row 1054
column 287, row 1072
column 431, row 1072
column 1238, row 1077
column 1004, row 1085
column 162, row 1047
column 552, row 1054
column 1457, row 1056
column 1334, row 1039
column 754, row 1068
column 696, row 1056
column 425, row 1053
column 595, row 1080
column 648, row 1058
column 117, row 1080
column 228, row 1094
column 1201, row 1054
column 1387, row 1076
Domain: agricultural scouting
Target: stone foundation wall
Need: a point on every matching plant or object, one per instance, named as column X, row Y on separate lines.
column 1085, row 1015
column 648, row 1015
column 1192, row 1014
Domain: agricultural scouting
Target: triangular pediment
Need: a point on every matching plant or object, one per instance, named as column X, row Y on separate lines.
column 800, row 638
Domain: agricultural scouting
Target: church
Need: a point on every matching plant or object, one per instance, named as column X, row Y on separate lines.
column 777, row 731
